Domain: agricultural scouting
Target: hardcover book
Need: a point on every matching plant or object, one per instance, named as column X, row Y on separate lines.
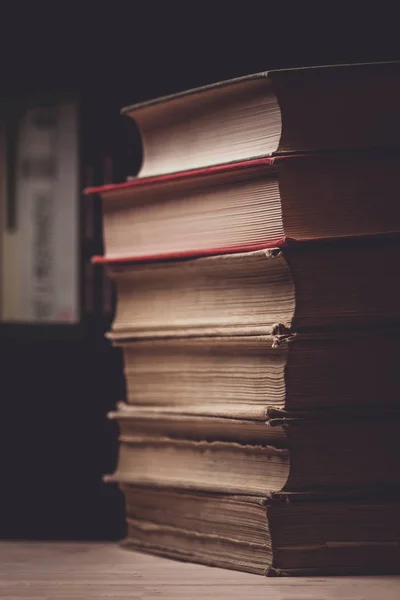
column 292, row 110
column 255, row 258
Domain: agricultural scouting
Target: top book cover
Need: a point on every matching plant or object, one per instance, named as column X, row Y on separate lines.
column 311, row 109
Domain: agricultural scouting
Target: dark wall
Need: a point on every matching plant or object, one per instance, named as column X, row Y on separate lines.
column 57, row 385
column 56, row 441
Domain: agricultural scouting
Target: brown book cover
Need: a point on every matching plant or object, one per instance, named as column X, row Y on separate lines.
column 291, row 110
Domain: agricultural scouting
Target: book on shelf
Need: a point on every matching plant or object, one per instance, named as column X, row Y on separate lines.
column 48, row 231
column 39, row 231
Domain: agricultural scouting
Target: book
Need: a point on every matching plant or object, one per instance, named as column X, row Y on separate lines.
column 248, row 204
column 290, row 110
column 247, row 428
column 241, row 376
column 267, row 292
column 290, row 534
column 353, row 449
column 40, row 231
column 255, row 259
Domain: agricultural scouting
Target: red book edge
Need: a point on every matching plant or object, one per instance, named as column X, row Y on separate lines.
column 281, row 243
column 267, row 161
column 105, row 260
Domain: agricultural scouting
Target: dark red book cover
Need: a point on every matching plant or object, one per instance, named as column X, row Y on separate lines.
column 267, row 161
column 282, row 242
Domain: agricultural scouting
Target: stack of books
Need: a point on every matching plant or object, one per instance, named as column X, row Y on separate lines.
column 256, row 259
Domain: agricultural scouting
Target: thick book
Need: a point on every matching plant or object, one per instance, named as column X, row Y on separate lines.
column 241, row 376
column 248, row 204
column 267, row 292
column 295, row 534
column 330, row 451
column 309, row 109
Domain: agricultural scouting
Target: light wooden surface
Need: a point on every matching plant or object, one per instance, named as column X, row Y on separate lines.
column 78, row 571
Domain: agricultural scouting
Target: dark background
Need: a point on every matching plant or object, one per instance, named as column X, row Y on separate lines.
column 58, row 383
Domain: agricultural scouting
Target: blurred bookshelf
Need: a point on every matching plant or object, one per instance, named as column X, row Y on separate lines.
column 60, row 375
column 48, row 230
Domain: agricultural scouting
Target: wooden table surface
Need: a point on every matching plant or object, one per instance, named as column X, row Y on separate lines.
column 77, row 571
